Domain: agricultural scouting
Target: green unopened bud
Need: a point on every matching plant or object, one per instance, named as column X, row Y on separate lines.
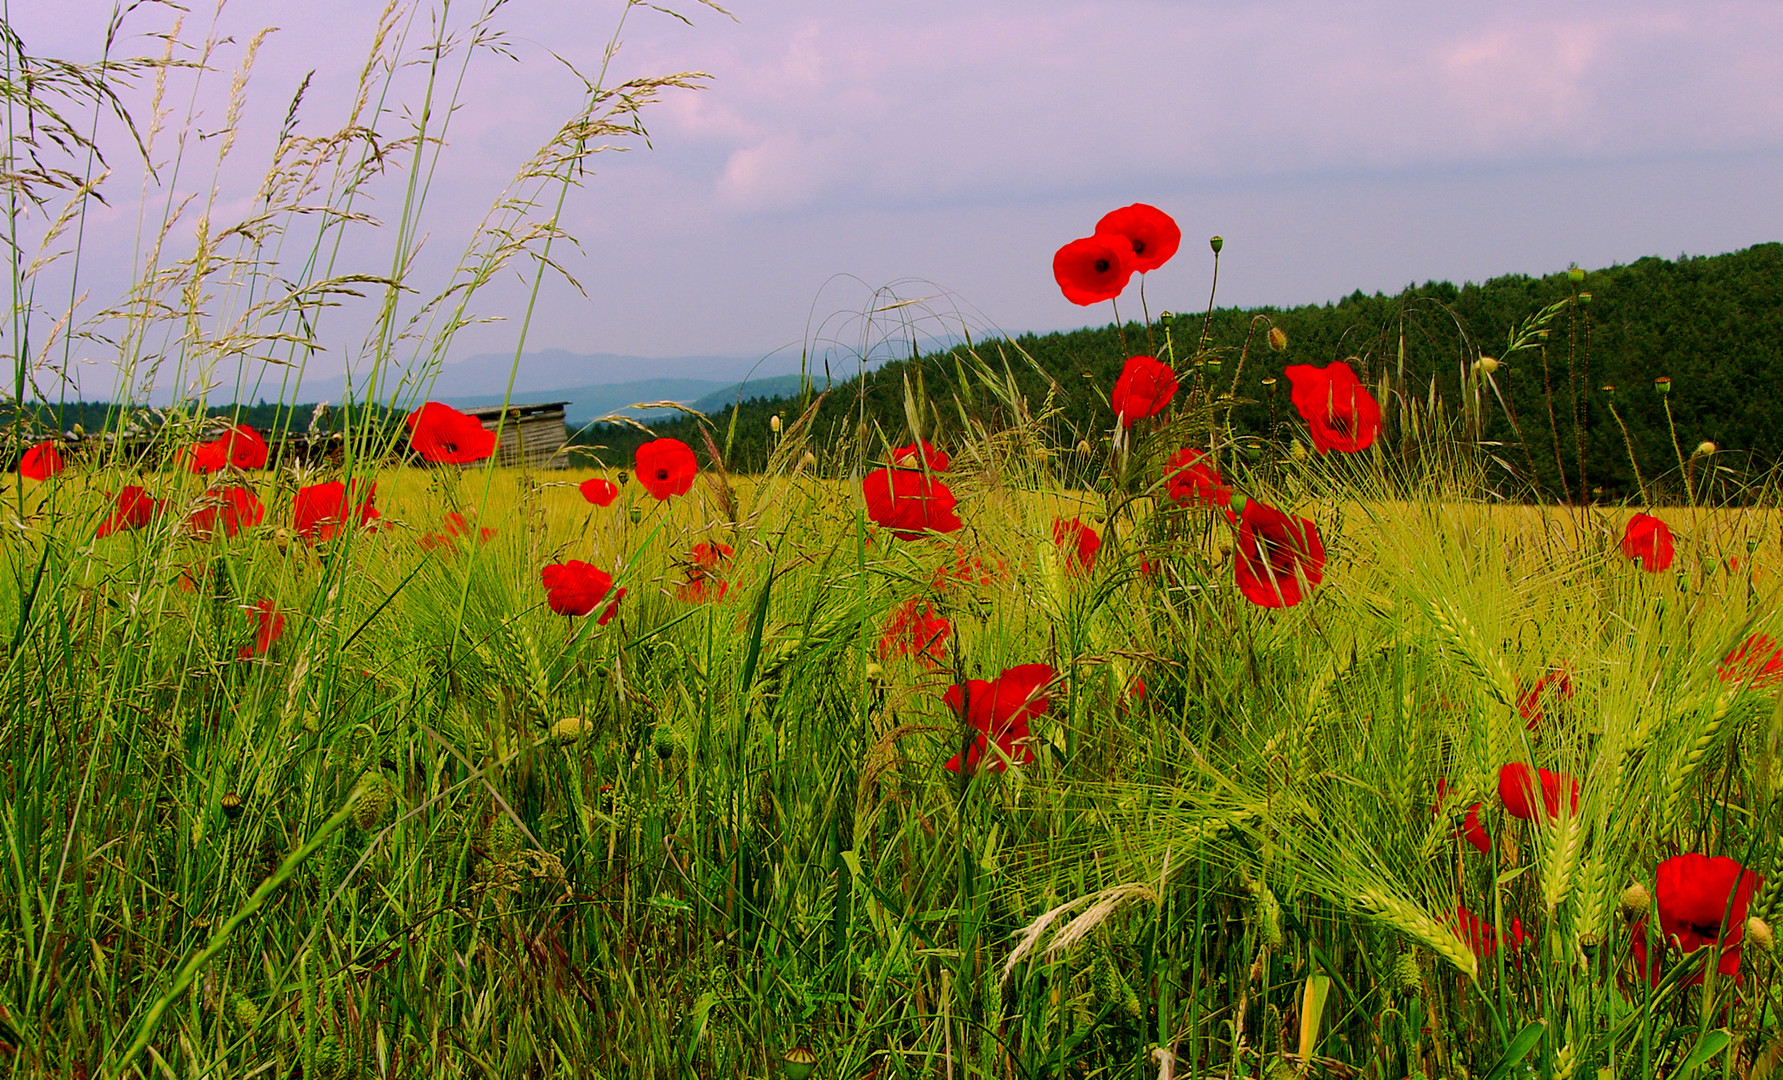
column 1636, row 901
column 1278, row 338
column 1574, row 274
column 636, row 515
column 1216, row 243
column 1485, row 365
column 245, row 1013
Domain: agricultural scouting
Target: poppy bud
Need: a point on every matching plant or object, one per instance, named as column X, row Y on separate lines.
column 636, row 514
column 78, row 432
column 570, row 729
column 774, row 423
column 664, row 741
column 1663, row 384
column 1758, row 932
column 1704, row 448
column 798, row 1063
column 231, row 805
column 1636, row 901
column 1278, row 338
column 623, row 477
column 1216, row 243
column 809, row 461
column 1485, row 365
column 1406, row 973
column 1574, row 274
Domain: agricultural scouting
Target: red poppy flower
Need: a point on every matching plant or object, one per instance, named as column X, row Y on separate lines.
column 1339, row 411
column 41, row 462
column 703, row 582
column 919, row 455
column 1144, row 389
column 132, row 510
column 1648, row 541
column 576, row 588
column 240, row 446
column 598, row 491
column 966, row 569
column 1516, row 787
column 1470, row 828
column 1150, row 232
column 1135, row 693
column 1702, row 901
column 914, row 629
column 456, row 526
column 908, row 503
column 1276, row 554
column 1477, row 932
column 1555, row 684
column 442, row 434
column 1077, row 542
column 319, row 510
column 1000, row 709
column 666, row 467
column 1195, row 483
column 1758, row 660
column 612, row 608
column 1093, row 269
column 237, row 507
column 269, row 625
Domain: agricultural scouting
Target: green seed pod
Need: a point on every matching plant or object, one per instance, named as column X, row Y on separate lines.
column 1216, row 243
column 798, row 1063
column 1574, row 274
column 231, row 805
column 571, row 729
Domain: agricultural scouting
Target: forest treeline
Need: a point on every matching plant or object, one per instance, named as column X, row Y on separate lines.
column 1712, row 325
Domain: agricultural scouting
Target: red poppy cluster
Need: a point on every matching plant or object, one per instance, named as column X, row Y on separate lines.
column 1278, row 556
column 1132, row 240
column 913, row 629
column 441, row 434
column 455, row 526
column 577, row 588
column 703, row 582
column 1702, row 901
column 1470, row 828
column 1144, row 389
column 1195, row 483
column 1556, row 685
column 1758, row 661
column 269, row 625
column 999, row 711
column 1482, row 937
column 235, row 508
column 1078, row 543
column 1648, row 541
column 320, row 511
column 909, row 503
column 1339, row 411
column 240, row 447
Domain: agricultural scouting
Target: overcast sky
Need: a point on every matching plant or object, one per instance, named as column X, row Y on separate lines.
column 1335, row 145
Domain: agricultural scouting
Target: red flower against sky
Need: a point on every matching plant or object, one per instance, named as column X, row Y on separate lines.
column 1077, row 542
column 1339, row 411
column 1556, row 684
column 1193, row 482
column 240, row 446
column 666, row 467
column 1093, row 269
column 703, row 564
column 1278, row 556
column 917, row 455
column 598, row 491
column 133, row 509
column 1470, row 828
column 1150, row 232
column 1144, row 389
column 237, row 508
column 269, row 624
column 1648, row 541
column 1000, row 710
column 41, row 462
column 913, row 629
column 909, row 503
column 442, row 434
column 1758, row 660
column 319, row 511
column 1516, row 787
column 577, row 588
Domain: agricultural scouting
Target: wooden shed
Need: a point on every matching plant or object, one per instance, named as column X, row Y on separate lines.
column 533, row 434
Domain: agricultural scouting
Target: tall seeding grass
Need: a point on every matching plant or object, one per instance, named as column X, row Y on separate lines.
column 435, row 828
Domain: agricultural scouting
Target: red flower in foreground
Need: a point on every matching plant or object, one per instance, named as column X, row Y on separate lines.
column 1477, row 932
column 1516, row 787
column 132, row 510
column 1150, row 232
column 908, row 503
column 237, row 507
column 319, row 511
column 41, row 462
column 1144, row 389
column 576, row 588
column 1276, row 555
column 915, row 630
column 703, row 582
column 240, row 446
column 1555, row 684
column 1758, row 660
column 1093, row 269
column 1702, row 901
column 1000, row 709
column 920, row 454
column 1339, row 411
column 269, row 625
column 1077, row 542
column 1470, row 828
column 1194, row 482
column 442, row 434
column 598, row 491
column 1648, row 541
column 666, row 467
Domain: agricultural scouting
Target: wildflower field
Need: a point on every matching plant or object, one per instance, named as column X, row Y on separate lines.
column 913, row 756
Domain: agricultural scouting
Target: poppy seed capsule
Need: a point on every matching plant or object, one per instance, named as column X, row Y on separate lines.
column 1278, row 339
column 1663, row 384
column 1636, row 901
column 231, row 805
column 798, row 1063
column 1574, row 274
column 1216, row 243
column 1758, row 932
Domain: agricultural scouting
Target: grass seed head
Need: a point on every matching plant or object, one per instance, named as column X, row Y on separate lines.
column 1636, row 901
column 571, row 729
column 1407, row 975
